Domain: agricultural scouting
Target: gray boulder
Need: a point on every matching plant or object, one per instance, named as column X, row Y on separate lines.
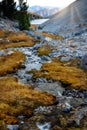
column 84, row 62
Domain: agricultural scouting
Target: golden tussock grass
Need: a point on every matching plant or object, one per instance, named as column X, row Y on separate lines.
column 17, row 44
column 33, row 26
column 11, row 63
column 50, row 35
column 18, row 37
column 2, row 33
column 17, row 99
column 72, row 77
column 44, row 50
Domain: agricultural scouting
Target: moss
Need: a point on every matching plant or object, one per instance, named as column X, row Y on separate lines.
column 19, row 99
column 44, row 50
column 11, row 63
column 70, row 76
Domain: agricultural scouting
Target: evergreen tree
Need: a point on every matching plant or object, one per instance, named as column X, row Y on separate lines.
column 8, row 8
column 24, row 21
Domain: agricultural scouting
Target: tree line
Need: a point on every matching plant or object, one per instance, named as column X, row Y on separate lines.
column 8, row 8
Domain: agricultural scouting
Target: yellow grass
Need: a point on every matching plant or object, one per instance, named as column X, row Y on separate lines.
column 2, row 33
column 34, row 27
column 70, row 76
column 11, row 63
column 17, row 44
column 17, row 99
column 18, row 37
column 44, row 50
column 50, row 35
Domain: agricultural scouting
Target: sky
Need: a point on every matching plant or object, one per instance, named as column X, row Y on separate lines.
column 52, row 3
column 55, row 3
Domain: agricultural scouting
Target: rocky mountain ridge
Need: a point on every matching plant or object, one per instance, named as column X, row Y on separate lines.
column 71, row 20
column 44, row 11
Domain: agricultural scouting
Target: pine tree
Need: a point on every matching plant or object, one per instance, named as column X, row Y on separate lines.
column 8, row 8
column 24, row 21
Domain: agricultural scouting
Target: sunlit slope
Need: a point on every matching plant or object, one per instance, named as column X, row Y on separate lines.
column 73, row 15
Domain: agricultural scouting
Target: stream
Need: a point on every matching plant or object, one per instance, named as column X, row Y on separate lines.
column 66, row 100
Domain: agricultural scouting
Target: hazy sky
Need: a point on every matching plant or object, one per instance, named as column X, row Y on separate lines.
column 56, row 3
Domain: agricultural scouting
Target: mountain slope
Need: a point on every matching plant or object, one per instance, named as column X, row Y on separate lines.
column 69, row 19
column 44, row 11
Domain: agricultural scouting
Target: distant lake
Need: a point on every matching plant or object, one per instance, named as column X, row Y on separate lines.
column 38, row 21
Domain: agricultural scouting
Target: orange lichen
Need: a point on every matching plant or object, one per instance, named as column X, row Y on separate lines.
column 69, row 76
column 10, row 63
